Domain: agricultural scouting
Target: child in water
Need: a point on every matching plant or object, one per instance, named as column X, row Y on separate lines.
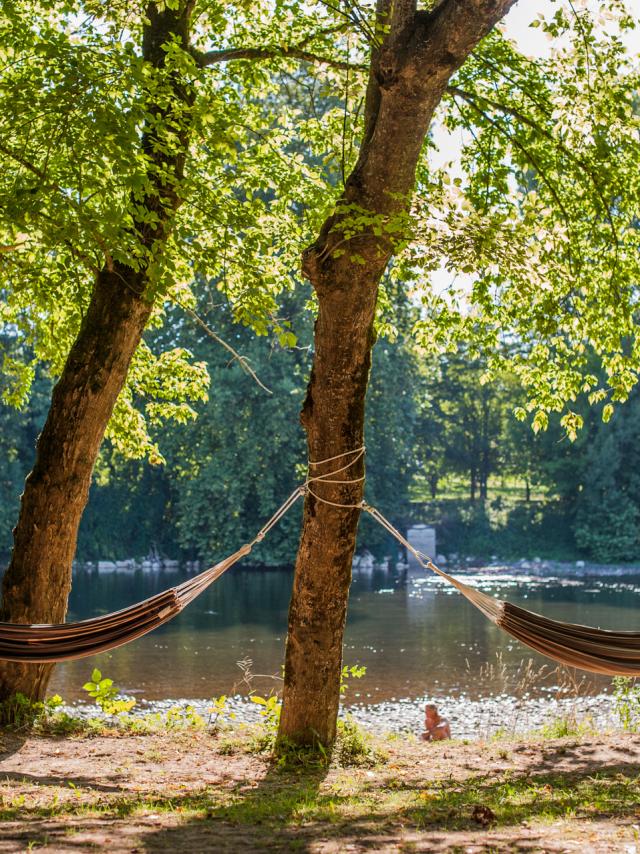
column 436, row 728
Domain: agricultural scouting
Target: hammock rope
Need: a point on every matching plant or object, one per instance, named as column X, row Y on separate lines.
column 597, row 650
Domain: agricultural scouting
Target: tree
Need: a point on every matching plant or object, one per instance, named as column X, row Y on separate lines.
column 37, row 581
column 413, row 57
column 113, row 117
column 472, row 414
column 543, row 262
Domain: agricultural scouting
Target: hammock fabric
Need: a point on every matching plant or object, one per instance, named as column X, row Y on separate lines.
column 50, row 643
column 33, row 644
column 597, row 650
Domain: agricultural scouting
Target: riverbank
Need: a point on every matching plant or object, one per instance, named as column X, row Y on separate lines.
column 471, row 720
column 537, row 567
column 196, row 792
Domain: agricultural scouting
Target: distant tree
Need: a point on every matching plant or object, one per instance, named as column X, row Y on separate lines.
column 607, row 516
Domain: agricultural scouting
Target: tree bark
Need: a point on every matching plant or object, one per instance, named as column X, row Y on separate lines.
column 409, row 73
column 36, row 584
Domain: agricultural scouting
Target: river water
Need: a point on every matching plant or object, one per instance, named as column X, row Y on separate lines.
column 415, row 635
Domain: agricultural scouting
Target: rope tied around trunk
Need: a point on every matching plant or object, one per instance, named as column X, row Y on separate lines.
column 329, row 477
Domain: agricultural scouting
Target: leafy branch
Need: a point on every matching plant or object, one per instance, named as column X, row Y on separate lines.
column 297, row 51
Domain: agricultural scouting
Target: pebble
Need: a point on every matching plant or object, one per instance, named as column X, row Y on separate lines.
column 470, row 719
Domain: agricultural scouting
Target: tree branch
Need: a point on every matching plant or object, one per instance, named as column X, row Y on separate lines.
column 242, row 360
column 449, row 32
column 473, row 99
column 297, row 51
column 215, row 57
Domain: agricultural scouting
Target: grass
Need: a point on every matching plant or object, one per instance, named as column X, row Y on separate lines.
column 294, row 798
column 192, row 788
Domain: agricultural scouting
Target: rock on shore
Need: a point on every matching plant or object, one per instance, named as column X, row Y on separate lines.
column 476, row 719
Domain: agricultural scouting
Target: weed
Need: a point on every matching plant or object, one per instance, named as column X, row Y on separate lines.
column 20, row 712
column 107, row 696
column 626, row 694
column 562, row 727
column 354, row 746
column 219, row 715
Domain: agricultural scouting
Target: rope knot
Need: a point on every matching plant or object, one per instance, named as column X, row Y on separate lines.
column 329, row 477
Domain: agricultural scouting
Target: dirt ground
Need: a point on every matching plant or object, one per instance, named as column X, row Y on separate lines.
column 196, row 792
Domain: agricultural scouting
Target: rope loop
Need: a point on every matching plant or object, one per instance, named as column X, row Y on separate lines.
column 329, row 477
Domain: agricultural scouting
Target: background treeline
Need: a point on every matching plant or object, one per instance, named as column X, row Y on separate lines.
column 443, row 447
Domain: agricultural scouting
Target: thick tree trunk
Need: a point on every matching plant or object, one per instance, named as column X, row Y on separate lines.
column 37, row 582
column 409, row 74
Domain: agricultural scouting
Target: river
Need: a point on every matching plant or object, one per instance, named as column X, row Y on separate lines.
column 415, row 635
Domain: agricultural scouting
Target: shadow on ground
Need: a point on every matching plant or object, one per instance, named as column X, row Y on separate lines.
column 288, row 811
column 559, row 796
column 10, row 743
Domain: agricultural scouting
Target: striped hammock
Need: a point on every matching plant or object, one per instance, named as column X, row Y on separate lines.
column 597, row 650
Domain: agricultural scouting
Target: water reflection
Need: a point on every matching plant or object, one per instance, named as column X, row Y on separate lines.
column 415, row 635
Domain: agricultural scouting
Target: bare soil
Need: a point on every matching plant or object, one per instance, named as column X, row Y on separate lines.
column 193, row 791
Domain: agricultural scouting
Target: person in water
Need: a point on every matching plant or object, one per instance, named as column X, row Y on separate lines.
column 436, row 728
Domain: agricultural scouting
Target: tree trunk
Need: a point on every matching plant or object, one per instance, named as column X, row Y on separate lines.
column 433, row 485
column 36, row 584
column 409, row 73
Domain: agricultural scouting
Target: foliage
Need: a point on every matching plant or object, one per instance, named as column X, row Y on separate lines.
column 542, row 217
column 354, row 746
column 225, row 473
column 566, row 726
column 539, row 222
column 78, row 108
column 270, row 710
column 608, row 505
column 626, row 693
column 355, row 671
column 106, row 695
column 219, row 713
column 20, row 712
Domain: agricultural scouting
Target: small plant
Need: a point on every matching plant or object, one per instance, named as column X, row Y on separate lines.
column 181, row 717
column 270, row 714
column 353, row 745
column 218, row 713
column 626, row 695
column 107, row 696
column 19, row 712
column 561, row 727
column 270, row 711
column 355, row 671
